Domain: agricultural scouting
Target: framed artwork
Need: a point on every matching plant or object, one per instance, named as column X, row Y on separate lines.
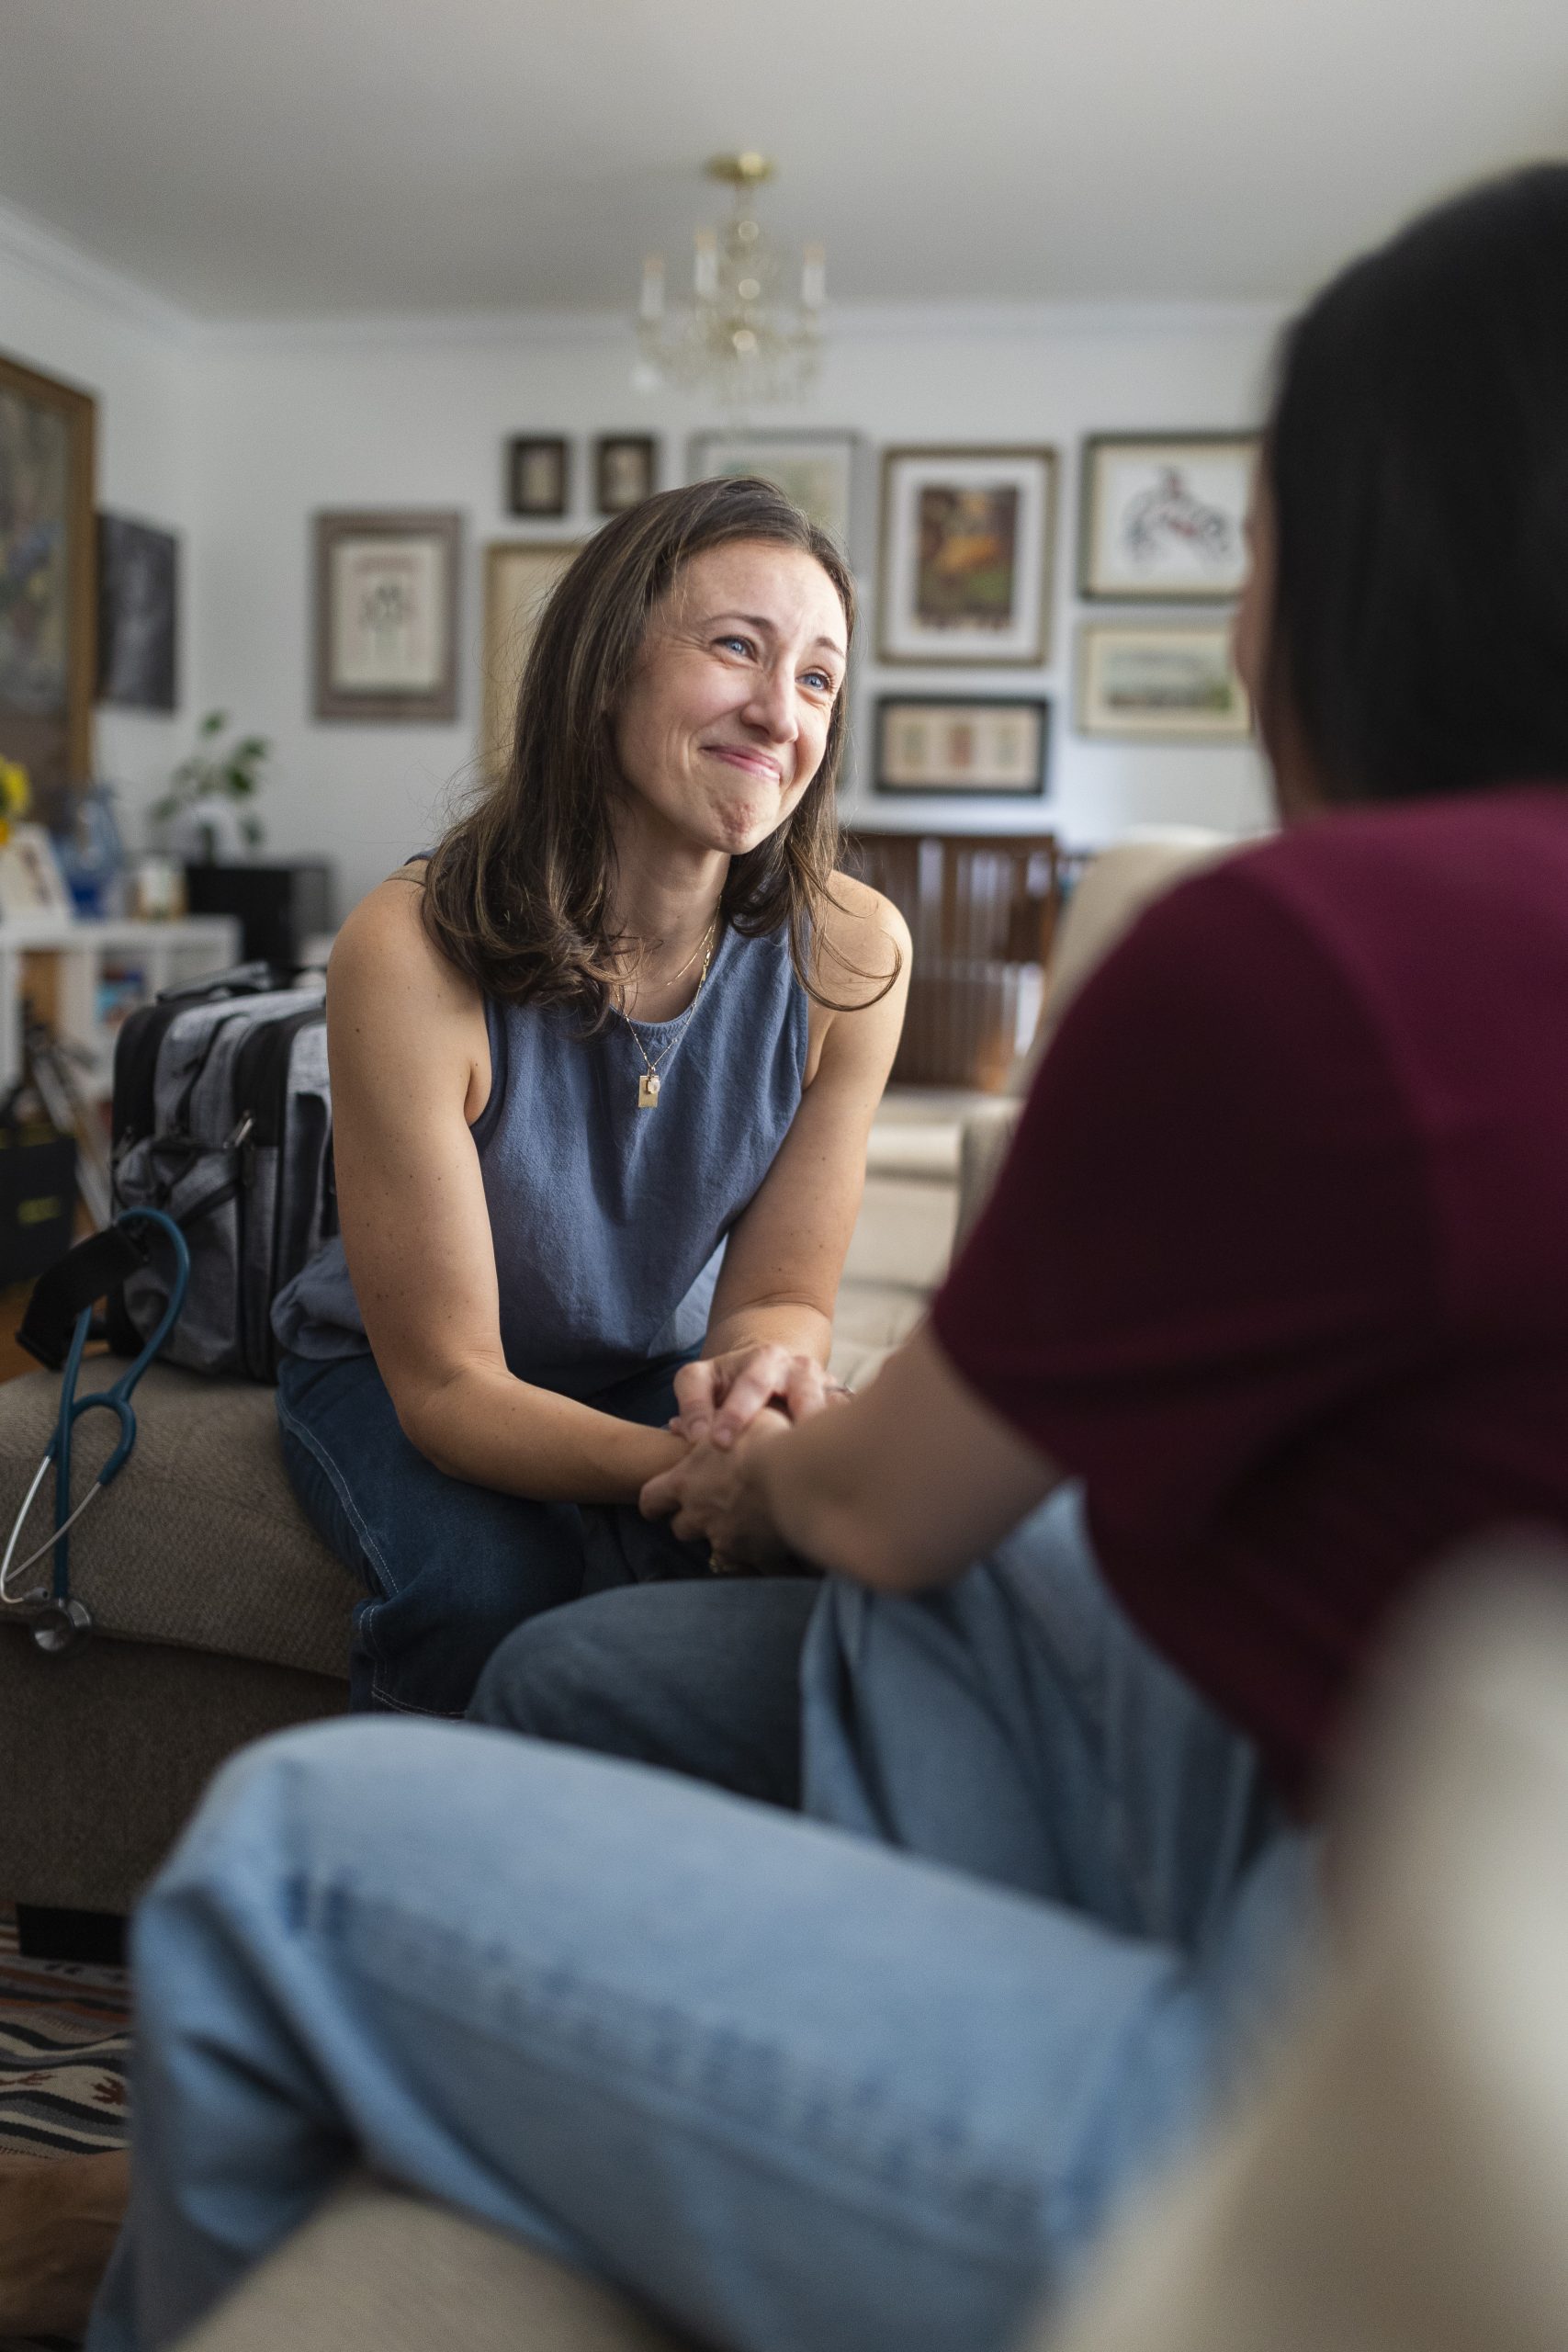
column 519, row 576
column 1165, row 515
column 967, row 544
column 138, row 613
column 1175, row 684
column 817, row 469
column 538, row 475
column 48, row 596
column 386, row 615
column 975, row 745
column 626, row 471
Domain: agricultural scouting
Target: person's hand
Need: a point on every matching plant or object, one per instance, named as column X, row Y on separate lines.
column 711, row 1495
column 721, row 1395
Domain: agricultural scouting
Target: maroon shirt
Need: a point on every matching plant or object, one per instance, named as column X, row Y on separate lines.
column 1279, row 1264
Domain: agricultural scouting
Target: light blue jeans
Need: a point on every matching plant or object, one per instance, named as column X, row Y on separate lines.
column 871, row 2080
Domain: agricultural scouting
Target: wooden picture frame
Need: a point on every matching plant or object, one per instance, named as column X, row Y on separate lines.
column 626, row 471
column 386, row 610
column 48, row 648
column 815, row 470
column 974, row 747
column 539, row 476
column 139, row 614
column 1174, row 682
column 1163, row 516
column 967, row 547
column 519, row 576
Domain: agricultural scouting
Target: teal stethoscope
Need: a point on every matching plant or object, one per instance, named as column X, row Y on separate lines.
column 58, row 1621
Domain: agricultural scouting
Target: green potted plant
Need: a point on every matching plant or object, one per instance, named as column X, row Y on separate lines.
column 226, row 774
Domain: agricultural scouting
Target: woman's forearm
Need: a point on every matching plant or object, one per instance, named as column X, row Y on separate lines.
column 482, row 1425
column 789, row 1323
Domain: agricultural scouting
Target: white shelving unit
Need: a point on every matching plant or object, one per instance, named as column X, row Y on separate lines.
column 89, row 975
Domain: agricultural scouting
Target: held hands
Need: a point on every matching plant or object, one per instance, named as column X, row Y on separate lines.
column 711, row 1495
column 724, row 1395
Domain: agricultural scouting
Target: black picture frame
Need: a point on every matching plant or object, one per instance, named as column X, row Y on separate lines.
column 139, row 572
column 893, row 773
column 538, row 475
column 626, row 471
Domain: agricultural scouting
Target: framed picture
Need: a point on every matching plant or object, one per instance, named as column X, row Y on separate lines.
column 1165, row 514
column 977, row 746
column 30, row 880
column 519, row 576
column 386, row 615
column 538, row 475
column 48, row 610
column 967, row 543
column 626, row 469
column 817, row 469
column 138, row 613
column 1176, row 683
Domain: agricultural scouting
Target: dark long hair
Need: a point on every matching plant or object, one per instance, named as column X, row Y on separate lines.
column 1418, row 459
column 517, row 894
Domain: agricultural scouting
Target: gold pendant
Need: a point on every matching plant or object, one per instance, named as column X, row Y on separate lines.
column 648, row 1092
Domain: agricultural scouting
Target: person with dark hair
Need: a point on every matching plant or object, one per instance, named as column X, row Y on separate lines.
column 603, row 1065
column 1270, row 1305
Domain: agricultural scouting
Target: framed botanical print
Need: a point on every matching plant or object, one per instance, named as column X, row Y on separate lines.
column 1164, row 515
column 626, row 471
column 975, row 745
column 966, row 547
column 1175, row 683
column 48, row 609
column 519, row 576
column 387, row 615
column 138, row 613
column 815, row 470
column 538, row 475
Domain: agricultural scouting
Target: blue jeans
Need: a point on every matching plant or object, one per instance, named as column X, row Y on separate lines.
column 802, row 2090
column 449, row 1568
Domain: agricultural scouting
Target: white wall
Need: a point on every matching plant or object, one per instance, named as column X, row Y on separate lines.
column 291, row 421
column 61, row 313
column 236, row 436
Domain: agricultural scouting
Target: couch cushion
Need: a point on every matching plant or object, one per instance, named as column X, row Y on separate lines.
column 379, row 2271
column 200, row 1543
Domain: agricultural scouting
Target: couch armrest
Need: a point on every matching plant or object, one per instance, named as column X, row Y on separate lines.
column 378, row 2270
column 982, row 1147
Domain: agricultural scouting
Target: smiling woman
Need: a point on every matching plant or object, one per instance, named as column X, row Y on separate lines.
column 534, row 1275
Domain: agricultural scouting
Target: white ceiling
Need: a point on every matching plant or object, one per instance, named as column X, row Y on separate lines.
column 254, row 158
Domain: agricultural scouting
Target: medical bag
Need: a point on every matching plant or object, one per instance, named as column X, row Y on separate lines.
column 222, row 1119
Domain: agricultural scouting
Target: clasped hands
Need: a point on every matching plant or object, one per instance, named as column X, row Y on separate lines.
column 730, row 1407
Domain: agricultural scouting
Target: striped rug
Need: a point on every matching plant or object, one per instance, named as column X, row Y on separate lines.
column 65, row 2059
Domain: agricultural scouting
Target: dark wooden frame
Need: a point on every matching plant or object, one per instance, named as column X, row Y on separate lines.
column 58, row 753
column 1144, row 593
column 517, row 453
column 377, row 705
column 887, row 704
column 647, row 444
column 934, row 658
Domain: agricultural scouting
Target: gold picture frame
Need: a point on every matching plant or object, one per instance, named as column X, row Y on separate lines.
column 47, row 634
column 519, row 576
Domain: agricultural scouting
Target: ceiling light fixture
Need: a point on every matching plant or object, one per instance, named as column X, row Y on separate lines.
column 742, row 338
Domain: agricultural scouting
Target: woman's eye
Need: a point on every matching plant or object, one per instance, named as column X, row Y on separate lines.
column 819, row 682
column 740, row 644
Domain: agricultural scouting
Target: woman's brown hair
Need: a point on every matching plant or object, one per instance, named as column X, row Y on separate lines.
column 517, row 894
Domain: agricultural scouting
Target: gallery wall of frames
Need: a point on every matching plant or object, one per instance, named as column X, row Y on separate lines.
column 349, row 544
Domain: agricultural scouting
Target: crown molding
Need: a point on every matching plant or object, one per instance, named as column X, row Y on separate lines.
column 60, row 262
column 858, row 321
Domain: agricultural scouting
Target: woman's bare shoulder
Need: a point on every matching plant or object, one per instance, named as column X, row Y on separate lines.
column 385, row 952
column 863, row 941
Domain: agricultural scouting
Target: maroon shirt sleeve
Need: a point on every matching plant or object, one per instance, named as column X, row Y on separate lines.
column 1214, row 1224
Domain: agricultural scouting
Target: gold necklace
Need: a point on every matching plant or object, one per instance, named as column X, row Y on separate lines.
column 648, row 1085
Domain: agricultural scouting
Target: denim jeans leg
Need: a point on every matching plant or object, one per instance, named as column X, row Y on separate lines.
column 1015, row 1723
column 449, row 1568
column 800, row 2093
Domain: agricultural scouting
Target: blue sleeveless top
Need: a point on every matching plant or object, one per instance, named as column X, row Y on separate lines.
column 609, row 1222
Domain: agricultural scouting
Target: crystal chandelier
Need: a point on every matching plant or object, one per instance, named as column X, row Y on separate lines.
column 742, row 339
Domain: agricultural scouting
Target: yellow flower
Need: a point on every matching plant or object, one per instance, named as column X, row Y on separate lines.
column 16, row 795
